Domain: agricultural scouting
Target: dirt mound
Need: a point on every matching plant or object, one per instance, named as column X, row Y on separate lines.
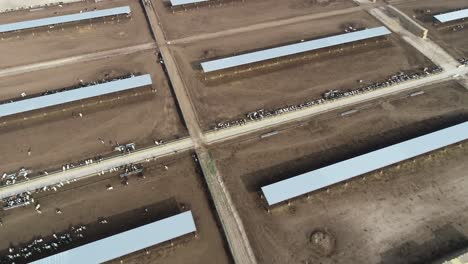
column 322, row 242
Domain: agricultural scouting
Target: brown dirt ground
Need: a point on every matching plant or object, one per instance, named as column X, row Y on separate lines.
column 456, row 43
column 234, row 14
column 85, row 201
column 404, row 215
column 24, row 48
column 291, row 85
column 62, row 137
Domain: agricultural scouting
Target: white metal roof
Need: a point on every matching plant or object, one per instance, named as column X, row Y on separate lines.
column 344, row 170
column 127, row 242
column 73, row 95
column 64, row 19
column 292, row 49
column 452, row 16
column 185, row 2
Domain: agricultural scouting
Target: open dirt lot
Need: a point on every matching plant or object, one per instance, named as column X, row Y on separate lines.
column 233, row 14
column 84, row 202
column 61, row 136
column 406, row 214
column 43, row 44
column 8, row 5
column 455, row 42
column 292, row 84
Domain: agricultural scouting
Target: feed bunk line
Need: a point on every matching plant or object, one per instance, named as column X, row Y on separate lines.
column 106, row 165
column 59, row 98
column 127, row 242
column 292, row 49
column 50, row 21
column 305, row 183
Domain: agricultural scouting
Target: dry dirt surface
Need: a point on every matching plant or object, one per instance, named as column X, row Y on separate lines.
column 85, row 202
column 13, row 4
column 407, row 213
column 62, row 136
column 37, row 45
column 454, row 42
column 292, row 84
column 228, row 14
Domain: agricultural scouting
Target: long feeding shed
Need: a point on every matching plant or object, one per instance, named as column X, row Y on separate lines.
column 50, row 21
column 311, row 181
column 127, row 242
column 306, row 46
column 35, row 103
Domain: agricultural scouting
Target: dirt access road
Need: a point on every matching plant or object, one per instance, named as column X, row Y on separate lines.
column 229, row 218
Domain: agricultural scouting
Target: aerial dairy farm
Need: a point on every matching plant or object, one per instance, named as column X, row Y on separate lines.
column 233, row 131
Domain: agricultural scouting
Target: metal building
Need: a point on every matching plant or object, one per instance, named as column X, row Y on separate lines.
column 186, row 2
column 452, row 16
column 127, row 242
column 74, row 95
column 278, row 52
column 124, row 10
column 344, row 170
